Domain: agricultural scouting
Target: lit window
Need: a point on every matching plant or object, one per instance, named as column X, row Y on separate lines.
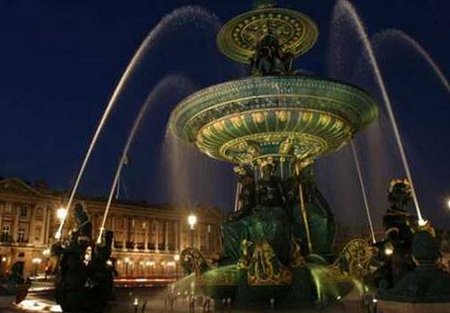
column 23, row 212
column 6, row 230
column 21, row 235
column 6, row 233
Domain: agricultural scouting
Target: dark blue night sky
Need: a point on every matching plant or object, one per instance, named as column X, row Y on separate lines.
column 60, row 62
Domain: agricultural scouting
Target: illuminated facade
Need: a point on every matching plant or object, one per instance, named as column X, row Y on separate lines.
column 147, row 239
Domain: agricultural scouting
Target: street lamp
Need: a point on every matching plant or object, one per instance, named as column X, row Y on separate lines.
column 61, row 214
column 192, row 221
column 448, row 203
column 36, row 262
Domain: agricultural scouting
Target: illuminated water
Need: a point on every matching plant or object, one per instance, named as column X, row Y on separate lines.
column 344, row 12
column 363, row 189
column 169, row 84
column 398, row 37
column 183, row 15
column 191, row 179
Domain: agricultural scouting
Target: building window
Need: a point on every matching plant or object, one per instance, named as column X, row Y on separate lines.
column 6, row 233
column 23, row 212
column 21, row 235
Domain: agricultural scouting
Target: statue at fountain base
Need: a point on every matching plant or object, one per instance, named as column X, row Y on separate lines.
column 84, row 277
column 265, row 247
column 426, row 283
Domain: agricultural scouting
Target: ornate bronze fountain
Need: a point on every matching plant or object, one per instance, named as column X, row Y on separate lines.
column 272, row 125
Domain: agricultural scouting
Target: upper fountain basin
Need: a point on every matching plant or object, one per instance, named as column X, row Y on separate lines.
column 296, row 32
column 301, row 117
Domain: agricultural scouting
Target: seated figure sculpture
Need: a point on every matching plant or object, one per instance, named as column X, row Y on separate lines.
column 270, row 210
column 394, row 252
column 269, row 58
column 266, row 219
column 84, row 277
column 246, row 196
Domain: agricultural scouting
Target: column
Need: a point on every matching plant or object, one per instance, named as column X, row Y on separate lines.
column 218, row 241
column 177, row 237
column 15, row 230
column 207, row 243
column 113, row 229
column 135, row 227
column 157, row 236
column 125, row 233
column 199, row 235
column 30, row 233
column 43, row 236
column 166, row 237
column 94, row 226
column 146, row 226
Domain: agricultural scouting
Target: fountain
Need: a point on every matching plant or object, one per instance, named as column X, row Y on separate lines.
column 272, row 125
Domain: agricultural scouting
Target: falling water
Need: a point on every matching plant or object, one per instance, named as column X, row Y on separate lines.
column 363, row 189
column 399, row 36
column 192, row 178
column 168, row 83
column 345, row 10
column 183, row 14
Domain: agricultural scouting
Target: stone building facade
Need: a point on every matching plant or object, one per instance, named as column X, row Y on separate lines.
column 147, row 239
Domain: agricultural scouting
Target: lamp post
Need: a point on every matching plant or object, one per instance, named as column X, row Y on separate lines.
column 36, row 262
column 176, row 258
column 61, row 214
column 192, row 221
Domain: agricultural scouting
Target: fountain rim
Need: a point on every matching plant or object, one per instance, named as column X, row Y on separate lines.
column 338, row 84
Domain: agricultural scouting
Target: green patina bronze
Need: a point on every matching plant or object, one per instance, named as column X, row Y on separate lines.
column 410, row 272
column 273, row 125
column 242, row 120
